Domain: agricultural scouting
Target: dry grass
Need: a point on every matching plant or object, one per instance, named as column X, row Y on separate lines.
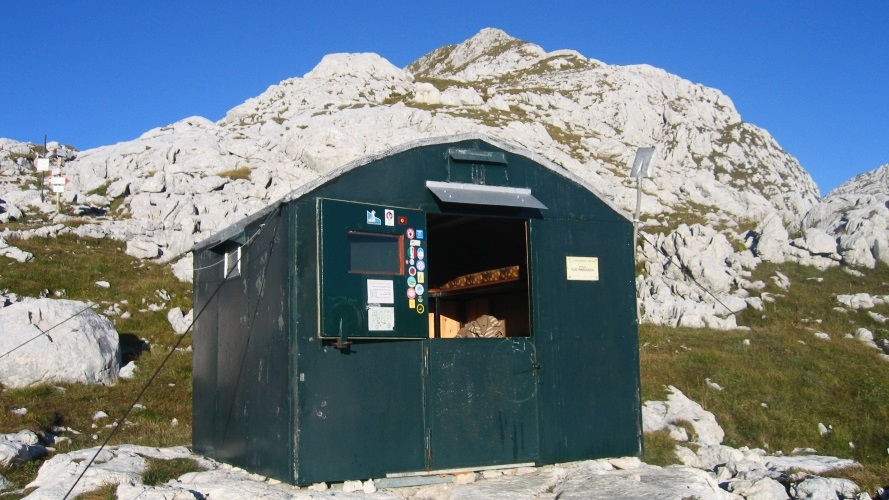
column 785, row 382
column 236, row 173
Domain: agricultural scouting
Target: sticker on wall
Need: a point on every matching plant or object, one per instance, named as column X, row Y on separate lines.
column 412, row 304
column 421, row 277
column 421, row 265
column 411, row 294
column 402, row 220
column 412, row 271
column 415, row 243
column 421, row 234
column 411, row 282
column 421, row 308
column 421, row 254
column 372, row 218
column 390, row 217
column 409, row 233
column 381, row 319
column 582, row 268
column 380, row 292
column 420, row 289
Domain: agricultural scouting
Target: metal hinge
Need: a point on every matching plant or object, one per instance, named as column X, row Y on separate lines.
column 428, row 448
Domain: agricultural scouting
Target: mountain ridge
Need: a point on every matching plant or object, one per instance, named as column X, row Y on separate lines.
column 719, row 178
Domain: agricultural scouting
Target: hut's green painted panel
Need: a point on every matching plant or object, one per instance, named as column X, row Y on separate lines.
column 587, row 341
column 241, row 381
column 372, row 278
column 481, row 402
column 565, row 387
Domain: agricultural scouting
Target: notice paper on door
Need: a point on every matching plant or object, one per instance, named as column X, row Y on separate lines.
column 380, row 292
column 381, row 319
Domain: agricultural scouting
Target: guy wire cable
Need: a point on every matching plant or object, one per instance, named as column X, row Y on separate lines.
column 176, row 345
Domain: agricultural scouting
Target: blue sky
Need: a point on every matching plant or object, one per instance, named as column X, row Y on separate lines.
column 814, row 74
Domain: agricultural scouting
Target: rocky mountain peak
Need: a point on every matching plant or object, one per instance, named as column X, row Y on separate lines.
column 875, row 182
column 366, row 66
column 489, row 53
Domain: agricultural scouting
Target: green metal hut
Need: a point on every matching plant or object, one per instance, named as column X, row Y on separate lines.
column 453, row 303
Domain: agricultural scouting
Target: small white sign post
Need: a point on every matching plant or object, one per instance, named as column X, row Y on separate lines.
column 643, row 165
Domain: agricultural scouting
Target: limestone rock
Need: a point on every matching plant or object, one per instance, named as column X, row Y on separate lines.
column 78, row 346
column 772, row 240
column 856, row 214
column 822, row 487
column 658, row 415
column 179, row 321
column 14, row 253
column 763, row 488
column 142, row 249
column 18, row 448
column 118, row 465
column 817, row 242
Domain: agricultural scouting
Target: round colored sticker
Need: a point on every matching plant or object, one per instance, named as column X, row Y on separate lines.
column 421, row 265
column 421, row 254
column 411, row 293
column 411, row 281
column 409, row 233
column 420, row 289
column 421, row 308
column 412, row 271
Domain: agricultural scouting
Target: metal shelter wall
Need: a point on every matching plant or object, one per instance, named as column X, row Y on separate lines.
column 242, row 401
column 318, row 413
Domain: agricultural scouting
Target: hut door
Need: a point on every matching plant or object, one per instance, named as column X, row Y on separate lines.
column 480, row 375
column 481, row 402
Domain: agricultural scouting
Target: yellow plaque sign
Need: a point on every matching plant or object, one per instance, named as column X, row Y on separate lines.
column 582, row 268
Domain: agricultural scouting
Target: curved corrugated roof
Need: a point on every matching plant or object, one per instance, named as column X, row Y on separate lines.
column 238, row 227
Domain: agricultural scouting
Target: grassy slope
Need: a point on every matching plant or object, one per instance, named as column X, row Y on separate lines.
column 801, row 379
column 74, row 265
column 786, row 381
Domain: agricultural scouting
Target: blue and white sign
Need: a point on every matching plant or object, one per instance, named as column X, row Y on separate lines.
column 372, row 218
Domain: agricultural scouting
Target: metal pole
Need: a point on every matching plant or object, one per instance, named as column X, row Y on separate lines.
column 636, row 235
column 638, row 208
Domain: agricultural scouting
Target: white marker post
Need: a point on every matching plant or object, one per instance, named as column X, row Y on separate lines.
column 58, row 184
column 42, row 165
column 643, row 165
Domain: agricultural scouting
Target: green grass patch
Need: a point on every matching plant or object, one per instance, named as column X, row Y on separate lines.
column 237, row 173
column 660, row 449
column 19, row 476
column 101, row 190
column 160, row 471
column 107, row 491
column 781, row 385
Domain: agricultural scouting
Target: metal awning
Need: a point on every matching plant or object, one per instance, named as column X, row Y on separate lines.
column 475, row 194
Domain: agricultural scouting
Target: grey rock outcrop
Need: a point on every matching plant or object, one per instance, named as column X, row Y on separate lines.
column 57, row 341
column 14, row 253
column 856, row 215
column 18, row 448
